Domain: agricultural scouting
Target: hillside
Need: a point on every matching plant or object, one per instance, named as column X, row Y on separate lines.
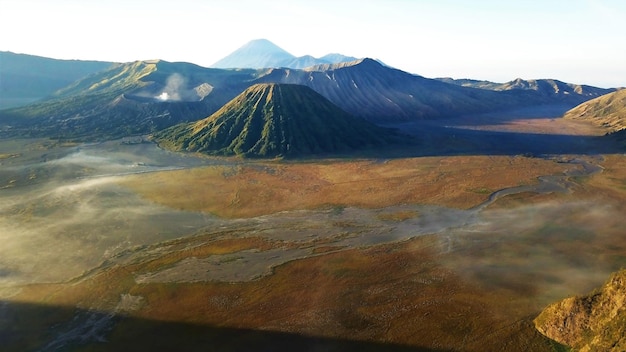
column 608, row 111
column 261, row 53
column 595, row 322
column 379, row 93
column 276, row 120
column 548, row 88
column 133, row 98
column 27, row 78
column 146, row 96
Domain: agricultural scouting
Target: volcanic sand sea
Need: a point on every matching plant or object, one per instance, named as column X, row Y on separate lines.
column 397, row 251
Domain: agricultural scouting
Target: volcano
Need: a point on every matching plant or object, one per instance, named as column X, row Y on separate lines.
column 276, row 120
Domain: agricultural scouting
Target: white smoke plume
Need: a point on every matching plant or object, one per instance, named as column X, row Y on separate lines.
column 174, row 89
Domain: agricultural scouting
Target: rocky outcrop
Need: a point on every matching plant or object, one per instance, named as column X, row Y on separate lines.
column 595, row 322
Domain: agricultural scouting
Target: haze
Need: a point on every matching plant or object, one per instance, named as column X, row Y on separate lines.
column 574, row 41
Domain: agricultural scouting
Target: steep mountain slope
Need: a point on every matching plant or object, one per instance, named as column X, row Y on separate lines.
column 270, row 120
column 608, row 111
column 132, row 98
column 549, row 88
column 367, row 89
column 261, row 53
column 146, row 96
column 27, row 78
column 596, row 322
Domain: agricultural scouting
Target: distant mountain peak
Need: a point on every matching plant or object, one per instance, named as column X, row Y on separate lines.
column 262, row 53
column 265, row 45
column 258, row 53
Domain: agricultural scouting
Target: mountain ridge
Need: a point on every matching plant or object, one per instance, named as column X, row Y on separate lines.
column 275, row 120
column 571, row 92
column 262, row 53
column 27, row 78
column 145, row 96
column 128, row 99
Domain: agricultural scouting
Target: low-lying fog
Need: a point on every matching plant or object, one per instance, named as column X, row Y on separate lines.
column 62, row 213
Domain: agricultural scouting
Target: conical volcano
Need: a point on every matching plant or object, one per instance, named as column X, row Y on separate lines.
column 276, row 120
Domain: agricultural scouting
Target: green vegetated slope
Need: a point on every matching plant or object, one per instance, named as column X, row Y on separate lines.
column 276, row 120
column 608, row 111
column 131, row 98
column 147, row 96
column 596, row 322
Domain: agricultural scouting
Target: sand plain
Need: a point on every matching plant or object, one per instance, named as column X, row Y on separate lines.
column 171, row 250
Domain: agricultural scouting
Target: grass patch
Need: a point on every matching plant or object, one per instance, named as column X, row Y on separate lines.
column 481, row 190
column 337, row 184
column 398, row 215
column 8, row 155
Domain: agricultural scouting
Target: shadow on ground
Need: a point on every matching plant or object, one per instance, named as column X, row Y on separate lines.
column 33, row 327
column 428, row 139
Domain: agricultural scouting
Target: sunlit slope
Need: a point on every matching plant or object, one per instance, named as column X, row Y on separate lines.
column 146, row 96
column 269, row 120
column 595, row 322
column 608, row 111
column 132, row 98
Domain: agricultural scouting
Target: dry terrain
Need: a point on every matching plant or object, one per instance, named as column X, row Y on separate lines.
column 260, row 189
column 388, row 254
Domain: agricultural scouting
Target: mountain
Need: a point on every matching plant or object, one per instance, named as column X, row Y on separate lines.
column 472, row 83
column 261, row 53
column 146, row 96
column 595, row 322
column 131, row 98
column 276, row 120
column 379, row 93
column 27, row 78
column 549, row 88
column 608, row 111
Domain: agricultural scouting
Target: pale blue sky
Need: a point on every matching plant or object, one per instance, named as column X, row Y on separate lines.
column 577, row 41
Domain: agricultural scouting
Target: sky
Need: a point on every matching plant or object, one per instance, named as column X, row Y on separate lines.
column 576, row 41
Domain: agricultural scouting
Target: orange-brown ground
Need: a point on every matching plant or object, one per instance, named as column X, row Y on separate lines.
column 409, row 296
column 389, row 295
column 258, row 189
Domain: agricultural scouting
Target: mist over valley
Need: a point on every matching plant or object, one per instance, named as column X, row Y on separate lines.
column 285, row 203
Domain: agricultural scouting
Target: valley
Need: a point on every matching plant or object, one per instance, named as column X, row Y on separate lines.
column 454, row 243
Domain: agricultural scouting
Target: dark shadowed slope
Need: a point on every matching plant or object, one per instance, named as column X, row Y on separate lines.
column 270, row 120
column 27, row 78
column 379, row 93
